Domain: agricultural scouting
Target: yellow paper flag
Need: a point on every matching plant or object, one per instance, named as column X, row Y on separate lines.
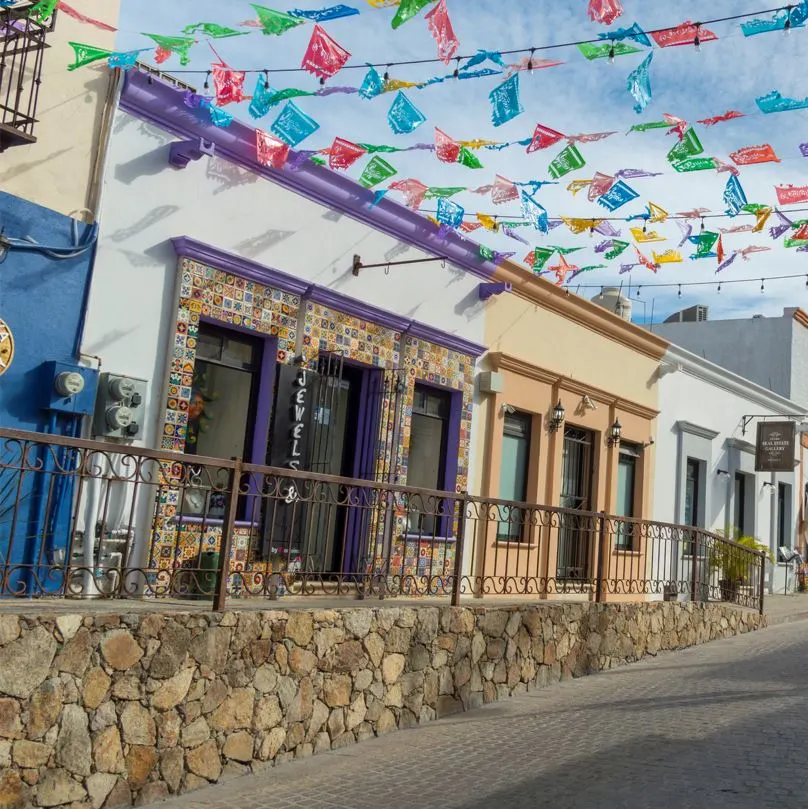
column 643, row 236
column 580, row 225
column 398, row 84
column 488, row 222
column 668, row 257
column 657, row 214
column 479, row 143
column 578, row 185
column 761, row 217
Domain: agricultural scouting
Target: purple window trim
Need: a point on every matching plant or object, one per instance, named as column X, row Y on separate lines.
column 187, row 247
column 162, row 105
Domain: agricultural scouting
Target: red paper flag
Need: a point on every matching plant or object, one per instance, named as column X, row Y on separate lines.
column 719, row 249
column 543, row 137
column 646, row 262
column 503, row 191
column 754, row 154
column 678, row 125
column 414, row 192
column 601, row 183
column 561, row 270
column 718, row 119
column 684, row 34
column 161, row 54
column 228, row 84
column 791, row 194
column 343, row 153
column 447, row 149
column 270, row 151
column 77, row 15
column 440, row 26
column 605, row 11
column 801, row 233
column 324, row 57
column 468, row 227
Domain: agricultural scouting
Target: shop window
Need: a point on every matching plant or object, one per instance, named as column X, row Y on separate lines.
column 426, row 466
column 693, row 499
column 221, row 414
column 513, row 472
column 627, row 496
column 784, row 537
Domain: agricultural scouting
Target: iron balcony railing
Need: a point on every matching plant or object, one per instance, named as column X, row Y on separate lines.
column 22, row 49
column 89, row 519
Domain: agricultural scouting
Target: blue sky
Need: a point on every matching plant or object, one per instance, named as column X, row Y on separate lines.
column 578, row 96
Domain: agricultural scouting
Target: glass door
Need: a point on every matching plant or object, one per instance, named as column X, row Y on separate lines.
column 575, row 536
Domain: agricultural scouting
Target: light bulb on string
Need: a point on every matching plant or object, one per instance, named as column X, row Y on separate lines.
column 387, row 73
column 680, row 291
column 206, row 85
column 611, row 53
column 806, row 281
column 719, row 288
column 638, row 291
column 787, row 24
column 266, row 80
column 762, row 286
column 530, row 60
column 456, row 73
column 697, row 38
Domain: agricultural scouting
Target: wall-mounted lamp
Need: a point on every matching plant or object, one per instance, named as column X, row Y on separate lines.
column 615, row 433
column 767, row 484
column 509, row 409
column 588, row 404
column 722, row 473
column 557, row 420
column 649, row 443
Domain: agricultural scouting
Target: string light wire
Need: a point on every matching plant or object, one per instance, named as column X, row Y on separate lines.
column 681, row 284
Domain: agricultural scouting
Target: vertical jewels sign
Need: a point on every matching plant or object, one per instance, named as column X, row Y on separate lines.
column 775, row 446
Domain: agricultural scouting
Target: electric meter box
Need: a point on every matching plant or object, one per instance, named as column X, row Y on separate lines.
column 70, row 388
column 120, row 407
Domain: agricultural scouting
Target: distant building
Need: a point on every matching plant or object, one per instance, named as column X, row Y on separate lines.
column 771, row 351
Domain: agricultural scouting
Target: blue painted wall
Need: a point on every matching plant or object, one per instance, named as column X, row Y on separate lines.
column 42, row 299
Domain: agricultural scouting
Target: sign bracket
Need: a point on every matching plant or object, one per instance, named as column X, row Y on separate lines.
column 747, row 420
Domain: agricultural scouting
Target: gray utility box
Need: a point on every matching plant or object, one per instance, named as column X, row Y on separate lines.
column 119, row 407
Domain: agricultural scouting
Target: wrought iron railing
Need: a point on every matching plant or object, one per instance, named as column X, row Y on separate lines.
column 88, row 519
column 22, row 49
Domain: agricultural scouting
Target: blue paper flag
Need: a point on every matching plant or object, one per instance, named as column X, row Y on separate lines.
column 330, row 13
column 293, row 125
column 797, row 15
column 483, row 56
column 373, row 84
column 639, row 84
column 774, row 102
column 535, row 213
column 734, row 196
column 450, row 213
column 617, row 196
column 505, row 104
column 404, row 117
column 219, row 116
column 635, row 33
column 378, row 196
column 261, row 99
column 124, row 60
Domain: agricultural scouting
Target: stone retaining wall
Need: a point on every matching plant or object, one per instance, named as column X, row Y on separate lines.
column 107, row 711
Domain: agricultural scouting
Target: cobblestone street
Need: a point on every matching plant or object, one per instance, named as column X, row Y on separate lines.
column 721, row 725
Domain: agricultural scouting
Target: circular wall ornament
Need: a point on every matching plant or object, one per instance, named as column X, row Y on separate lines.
column 6, row 347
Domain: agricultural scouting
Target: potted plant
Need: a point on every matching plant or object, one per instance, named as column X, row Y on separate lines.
column 732, row 564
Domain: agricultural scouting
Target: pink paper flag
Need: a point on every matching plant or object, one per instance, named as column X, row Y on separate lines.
column 543, row 137
column 414, row 192
column 562, row 269
column 718, row 119
column 270, row 151
column 684, row 34
column 605, row 11
column 228, row 84
column 646, row 262
column 503, row 191
column 324, row 57
column 754, row 154
column 77, row 15
column 532, row 63
column 753, row 248
column 791, row 194
column 721, row 167
column 601, row 183
column 678, row 125
column 589, row 138
column 468, row 227
column 161, row 54
column 737, row 229
column 447, row 149
column 343, row 154
column 440, row 26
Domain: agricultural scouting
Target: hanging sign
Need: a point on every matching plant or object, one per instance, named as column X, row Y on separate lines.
column 774, row 451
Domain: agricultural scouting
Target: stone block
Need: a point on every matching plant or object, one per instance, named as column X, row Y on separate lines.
column 25, row 662
column 120, row 650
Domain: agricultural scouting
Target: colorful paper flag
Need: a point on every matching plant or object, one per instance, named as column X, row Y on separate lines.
column 43, row 10
column 86, row 54
column 450, row 213
column 228, row 84
column 791, row 194
column 601, row 183
column 404, row 117
column 535, row 213
column 719, row 249
column 447, row 149
column 604, row 11
column 774, row 102
column 505, row 103
column 569, row 159
column 179, row 45
column 324, row 57
column 293, row 125
column 618, row 195
column 468, row 159
column 635, row 33
column 414, row 192
column 212, row 30
column 719, row 119
column 324, row 14
column 688, row 146
column 645, row 261
column 343, row 154
column 591, row 50
column 274, row 22
column 643, row 236
column 372, row 85
column 734, row 196
column 407, row 9
column 261, row 101
column 639, row 84
column 668, row 257
column 440, row 26
column 543, row 137
column 503, row 190
column 754, row 154
column 538, row 258
column 695, row 164
column 684, row 34
column 270, row 151
column 376, row 171
column 617, row 247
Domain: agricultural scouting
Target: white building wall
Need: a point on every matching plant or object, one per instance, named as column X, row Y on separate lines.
column 146, row 203
column 702, row 408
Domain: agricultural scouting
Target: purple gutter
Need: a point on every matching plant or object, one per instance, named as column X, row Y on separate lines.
column 186, row 247
column 162, row 104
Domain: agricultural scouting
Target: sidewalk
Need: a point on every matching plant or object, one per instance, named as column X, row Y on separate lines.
column 783, row 609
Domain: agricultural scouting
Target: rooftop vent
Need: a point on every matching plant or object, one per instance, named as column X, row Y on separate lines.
column 693, row 314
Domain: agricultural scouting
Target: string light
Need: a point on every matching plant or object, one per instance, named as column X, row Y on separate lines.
column 697, row 38
column 530, row 60
column 680, row 291
column 206, row 85
column 762, row 286
column 266, row 80
column 456, row 73
column 680, row 284
column 719, row 288
column 787, row 25
column 611, row 54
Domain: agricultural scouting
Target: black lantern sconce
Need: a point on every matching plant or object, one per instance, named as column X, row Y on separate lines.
column 557, row 420
column 615, row 433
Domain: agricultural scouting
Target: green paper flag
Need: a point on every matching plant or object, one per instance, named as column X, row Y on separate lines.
column 695, row 164
column 754, row 207
column 178, row 45
column 446, row 191
column 285, row 95
column 650, row 125
column 317, row 160
column 592, row 51
column 375, row 172
column 407, row 10
column 541, row 255
column 85, row 54
column 212, row 30
column 689, row 146
column 43, row 10
column 795, row 242
column 565, row 251
column 468, row 159
column 486, row 253
column 616, row 249
column 707, row 241
column 570, row 159
column 275, row 22
column 372, row 149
